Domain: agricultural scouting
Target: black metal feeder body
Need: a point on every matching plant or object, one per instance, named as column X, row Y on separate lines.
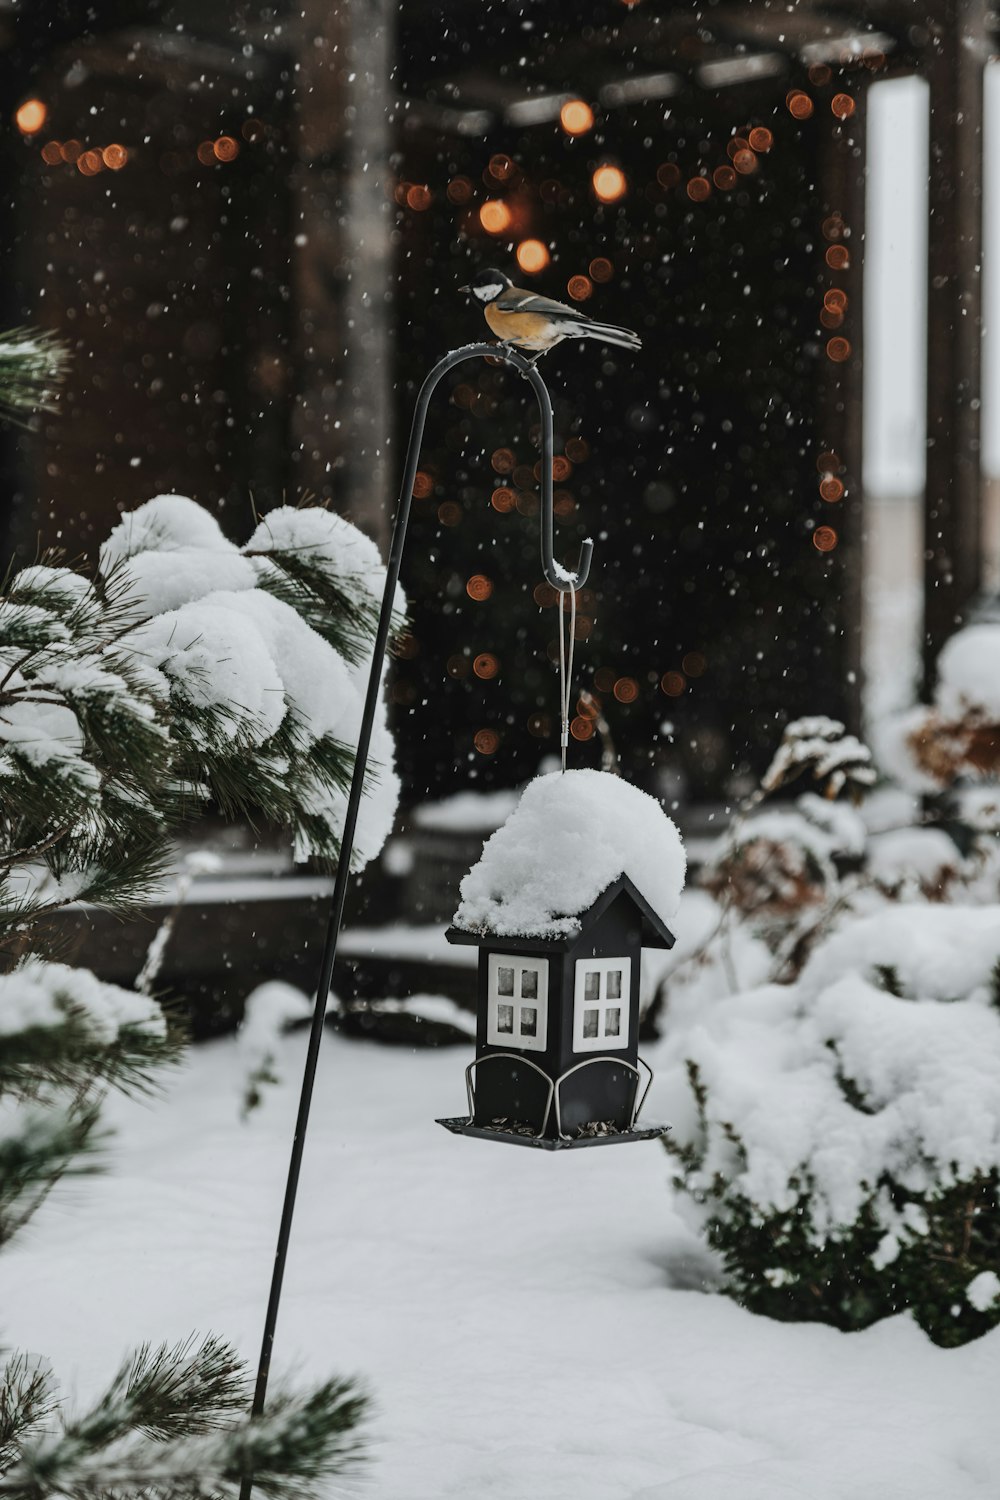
column 557, row 1061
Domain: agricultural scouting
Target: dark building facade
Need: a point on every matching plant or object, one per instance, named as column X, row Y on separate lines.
column 254, row 292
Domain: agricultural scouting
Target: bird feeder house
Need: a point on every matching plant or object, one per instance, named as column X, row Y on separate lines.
column 560, row 926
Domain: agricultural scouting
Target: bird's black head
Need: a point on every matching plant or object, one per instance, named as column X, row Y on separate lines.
column 487, row 285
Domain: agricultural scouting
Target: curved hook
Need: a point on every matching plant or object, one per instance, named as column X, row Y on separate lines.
column 556, row 575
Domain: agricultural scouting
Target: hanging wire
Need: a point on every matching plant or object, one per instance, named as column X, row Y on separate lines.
column 566, row 668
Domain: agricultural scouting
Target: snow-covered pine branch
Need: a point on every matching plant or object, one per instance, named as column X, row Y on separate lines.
column 186, row 670
column 820, row 745
column 32, row 367
column 170, row 1424
column 179, row 674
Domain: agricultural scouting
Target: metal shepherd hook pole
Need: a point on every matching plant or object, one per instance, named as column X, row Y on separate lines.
column 560, row 579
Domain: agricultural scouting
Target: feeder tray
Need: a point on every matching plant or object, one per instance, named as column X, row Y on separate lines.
column 462, row 1125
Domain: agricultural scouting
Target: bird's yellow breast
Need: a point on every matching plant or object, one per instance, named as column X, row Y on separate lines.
column 526, row 330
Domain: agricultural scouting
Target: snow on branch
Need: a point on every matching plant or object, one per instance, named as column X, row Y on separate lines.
column 820, row 745
column 169, row 1425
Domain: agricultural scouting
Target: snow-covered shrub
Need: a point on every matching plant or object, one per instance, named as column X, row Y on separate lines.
column 837, row 1127
column 841, row 1141
column 930, row 746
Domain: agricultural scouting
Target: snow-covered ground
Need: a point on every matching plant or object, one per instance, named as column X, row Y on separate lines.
column 531, row 1324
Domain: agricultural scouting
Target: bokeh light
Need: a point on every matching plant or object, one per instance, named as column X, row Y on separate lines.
column 52, row 153
column 114, row 157
column 31, row 116
column 479, row 587
column 835, row 300
column 226, row 148
column 503, row 500
column 609, row 183
column 89, row 163
column 800, row 106
column 673, row 684
column 449, row 513
column 831, row 488
column 206, row 153
column 698, row 189
column 459, row 190
column 838, row 349
column 419, row 197
column 486, row 666
column 502, row 460
column 824, row 539
column 746, row 162
column 494, row 216
column 70, row 150
column 842, row 106
column 532, row 256
column 600, row 269
column 833, row 227
column 724, row 178
column 423, row 484
column 581, row 728
column 486, row 741
column 838, row 257
column 761, row 139
column 579, row 288
column 576, row 117
column 694, row 664
column 668, row 174
column 501, row 166
column 626, row 690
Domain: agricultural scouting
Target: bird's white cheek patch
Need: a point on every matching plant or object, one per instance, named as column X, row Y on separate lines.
column 487, row 293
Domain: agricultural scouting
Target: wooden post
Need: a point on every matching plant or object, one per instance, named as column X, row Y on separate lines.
column 341, row 258
column 955, row 57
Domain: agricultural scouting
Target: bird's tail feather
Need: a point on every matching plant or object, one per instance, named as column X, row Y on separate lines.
column 609, row 334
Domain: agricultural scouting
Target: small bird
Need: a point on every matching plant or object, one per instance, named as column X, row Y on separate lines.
column 524, row 319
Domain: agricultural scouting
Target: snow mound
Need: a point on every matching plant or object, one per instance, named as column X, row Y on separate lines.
column 569, row 838
column 40, row 994
column 922, row 858
column 324, row 540
column 783, row 1079
column 170, row 551
column 930, row 951
column 969, row 673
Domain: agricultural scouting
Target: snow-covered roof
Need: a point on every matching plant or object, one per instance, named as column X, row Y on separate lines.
column 571, row 836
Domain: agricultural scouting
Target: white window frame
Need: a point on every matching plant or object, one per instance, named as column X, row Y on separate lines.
column 601, row 1042
column 518, row 963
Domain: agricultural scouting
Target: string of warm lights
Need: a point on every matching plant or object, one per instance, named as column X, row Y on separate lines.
column 32, row 115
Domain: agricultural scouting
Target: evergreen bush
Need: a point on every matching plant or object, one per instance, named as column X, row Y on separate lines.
column 186, row 671
column 834, row 1045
